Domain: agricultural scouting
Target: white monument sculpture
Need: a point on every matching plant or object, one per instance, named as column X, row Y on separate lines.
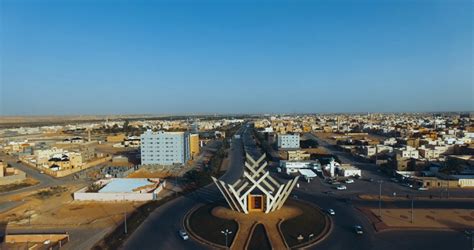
column 256, row 190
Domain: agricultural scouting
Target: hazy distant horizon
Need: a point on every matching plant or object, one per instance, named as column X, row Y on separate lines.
column 166, row 57
column 230, row 114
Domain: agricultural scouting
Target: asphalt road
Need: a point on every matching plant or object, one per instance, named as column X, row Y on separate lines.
column 44, row 179
column 159, row 230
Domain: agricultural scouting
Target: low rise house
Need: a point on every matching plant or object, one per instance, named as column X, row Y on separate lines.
column 390, row 141
column 347, row 170
column 121, row 189
column 294, row 167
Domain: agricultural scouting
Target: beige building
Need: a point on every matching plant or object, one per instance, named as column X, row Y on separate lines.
column 435, row 182
column 9, row 175
column 2, row 169
column 70, row 161
column 298, row 155
column 194, row 145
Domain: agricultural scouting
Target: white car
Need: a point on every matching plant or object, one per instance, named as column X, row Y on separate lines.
column 349, row 181
column 183, row 235
column 422, row 189
column 358, row 229
column 331, row 211
column 341, row 187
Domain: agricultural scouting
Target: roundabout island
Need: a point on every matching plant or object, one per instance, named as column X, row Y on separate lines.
column 254, row 218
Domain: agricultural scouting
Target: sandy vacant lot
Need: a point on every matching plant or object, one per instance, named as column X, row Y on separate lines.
column 428, row 218
column 14, row 186
column 53, row 208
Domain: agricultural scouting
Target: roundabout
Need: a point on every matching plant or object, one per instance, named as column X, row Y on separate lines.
column 257, row 214
column 297, row 224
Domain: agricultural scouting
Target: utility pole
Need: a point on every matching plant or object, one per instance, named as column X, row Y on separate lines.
column 412, row 212
column 380, row 198
column 125, row 217
column 376, row 154
column 447, row 189
column 175, row 185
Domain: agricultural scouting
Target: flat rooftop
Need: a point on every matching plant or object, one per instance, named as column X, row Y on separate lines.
column 124, row 185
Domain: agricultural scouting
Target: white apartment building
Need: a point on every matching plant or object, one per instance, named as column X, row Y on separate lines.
column 432, row 153
column 408, row 152
column 390, row 141
column 164, row 148
column 288, row 141
column 369, row 151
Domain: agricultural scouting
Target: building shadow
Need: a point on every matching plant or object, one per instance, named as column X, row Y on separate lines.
column 3, row 231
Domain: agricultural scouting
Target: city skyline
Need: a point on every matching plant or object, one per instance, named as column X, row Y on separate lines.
column 94, row 58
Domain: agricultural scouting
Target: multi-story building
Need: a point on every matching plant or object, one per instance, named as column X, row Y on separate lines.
column 288, row 141
column 164, row 148
column 42, row 156
column 67, row 161
column 194, row 145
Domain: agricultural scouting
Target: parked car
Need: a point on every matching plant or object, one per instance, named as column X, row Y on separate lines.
column 341, row 187
column 422, row 188
column 358, row 229
column 349, row 181
column 183, row 234
column 331, row 211
column 394, row 180
column 336, row 183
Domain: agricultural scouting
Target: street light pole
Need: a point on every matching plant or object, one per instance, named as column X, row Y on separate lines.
column 472, row 239
column 226, row 233
column 470, row 235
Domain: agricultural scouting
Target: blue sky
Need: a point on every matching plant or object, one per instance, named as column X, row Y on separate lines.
column 178, row 57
